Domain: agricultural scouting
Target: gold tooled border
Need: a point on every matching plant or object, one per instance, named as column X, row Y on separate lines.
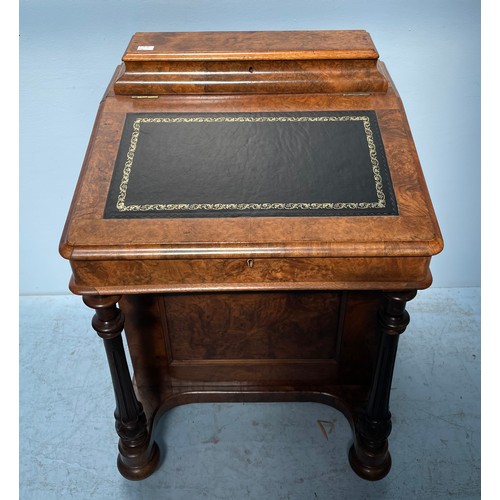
column 122, row 207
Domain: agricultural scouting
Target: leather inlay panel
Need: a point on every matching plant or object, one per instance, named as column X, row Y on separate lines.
column 250, row 164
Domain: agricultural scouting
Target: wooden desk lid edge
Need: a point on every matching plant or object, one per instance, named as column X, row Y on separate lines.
column 250, row 45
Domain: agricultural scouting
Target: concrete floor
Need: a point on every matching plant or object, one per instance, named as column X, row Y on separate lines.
column 250, row 451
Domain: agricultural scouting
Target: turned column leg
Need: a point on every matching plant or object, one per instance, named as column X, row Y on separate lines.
column 138, row 454
column 369, row 455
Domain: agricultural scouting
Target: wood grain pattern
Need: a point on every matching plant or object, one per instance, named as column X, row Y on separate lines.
column 197, row 341
column 170, row 275
column 255, row 326
column 253, row 76
column 252, row 309
column 250, row 62
column 240, row 45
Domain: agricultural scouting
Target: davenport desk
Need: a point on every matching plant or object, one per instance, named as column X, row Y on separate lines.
column 252, row 213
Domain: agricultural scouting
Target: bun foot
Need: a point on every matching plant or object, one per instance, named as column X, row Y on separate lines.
column 138, row 472
column 370, row 466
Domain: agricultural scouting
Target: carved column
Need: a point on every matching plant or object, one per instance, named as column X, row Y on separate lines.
column 369, row 456
column 138, row 454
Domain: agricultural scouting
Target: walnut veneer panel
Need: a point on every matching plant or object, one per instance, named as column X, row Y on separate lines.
column 237, row 45
column 155, row 275
column 268, row 326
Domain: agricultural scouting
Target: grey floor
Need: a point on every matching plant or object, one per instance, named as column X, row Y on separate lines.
column 250, row 451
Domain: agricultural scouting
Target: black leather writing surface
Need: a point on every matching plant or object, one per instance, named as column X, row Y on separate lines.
column 251, row 164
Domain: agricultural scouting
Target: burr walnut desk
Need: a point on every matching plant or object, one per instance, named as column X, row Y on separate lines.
column 251, row 211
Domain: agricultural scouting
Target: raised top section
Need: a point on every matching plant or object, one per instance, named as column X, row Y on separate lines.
column 250, row 45
column 252, row 62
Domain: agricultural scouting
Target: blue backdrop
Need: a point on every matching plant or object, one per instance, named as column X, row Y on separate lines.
column 70, row 49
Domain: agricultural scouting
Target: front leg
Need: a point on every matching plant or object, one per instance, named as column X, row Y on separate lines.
column 138, row 454
column 369, row 456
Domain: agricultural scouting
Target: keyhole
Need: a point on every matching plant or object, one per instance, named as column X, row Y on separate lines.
column 250, row 69
column 250, row 262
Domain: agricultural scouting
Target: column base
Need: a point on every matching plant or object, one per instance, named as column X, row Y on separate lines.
column 368, row 465
column 138, row 472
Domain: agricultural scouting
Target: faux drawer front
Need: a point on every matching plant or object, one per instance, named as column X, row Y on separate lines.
column 155, row 275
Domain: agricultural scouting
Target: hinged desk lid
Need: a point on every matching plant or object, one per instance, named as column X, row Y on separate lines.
column 268, row 172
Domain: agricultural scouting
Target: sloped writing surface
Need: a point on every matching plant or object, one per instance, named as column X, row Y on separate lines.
column 251, row 165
